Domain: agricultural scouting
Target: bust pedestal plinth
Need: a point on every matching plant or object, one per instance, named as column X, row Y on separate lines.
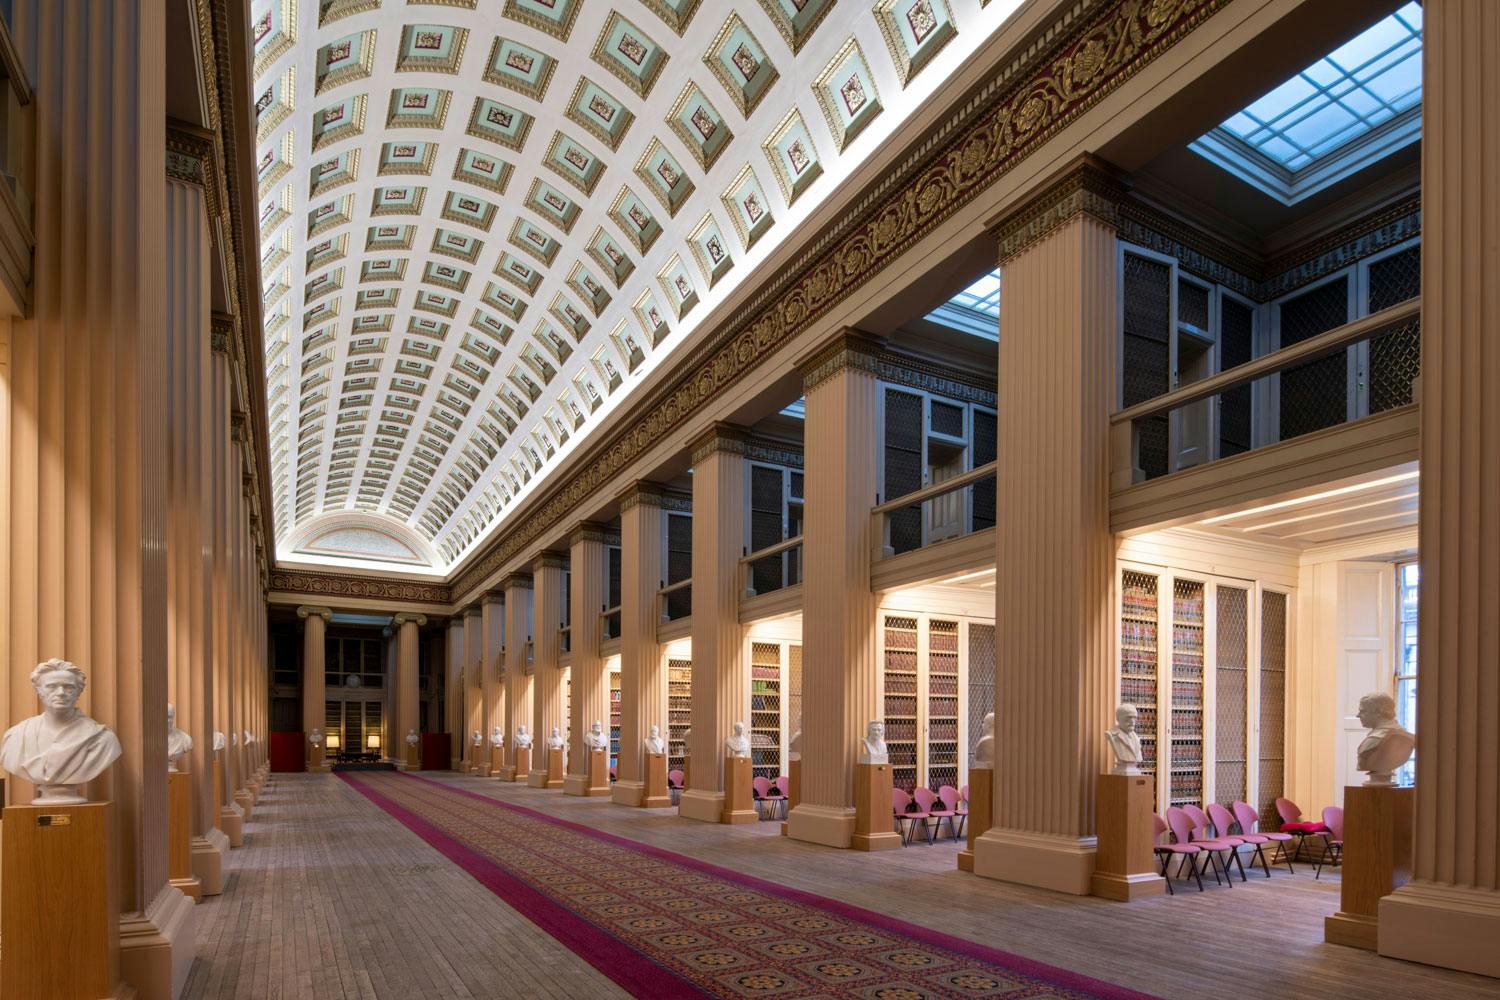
column 315, row 758
column 549, row 776
column 1377, row 859
column 981, row 806
column 873, row 825
column 598, row 773
column 656, row 794
column 521, row 768
column 497, row 762
column 739, row 804
column 59, row 887
column 1123, row 866
column 180, row 835
column 413, row 757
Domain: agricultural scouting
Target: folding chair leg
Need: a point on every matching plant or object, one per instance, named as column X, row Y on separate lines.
column 1262, row 856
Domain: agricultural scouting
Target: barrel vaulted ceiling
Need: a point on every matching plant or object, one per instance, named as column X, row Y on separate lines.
column 482, row 222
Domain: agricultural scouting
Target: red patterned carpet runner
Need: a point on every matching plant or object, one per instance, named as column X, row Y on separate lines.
column 662, row 925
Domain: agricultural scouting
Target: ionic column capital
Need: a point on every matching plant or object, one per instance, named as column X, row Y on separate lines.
column 311, row 611
column 405, row 617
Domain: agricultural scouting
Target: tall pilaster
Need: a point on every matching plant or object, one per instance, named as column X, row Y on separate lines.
column 314, row 666
column 517, row 588
column 223, row 496
column 408, row 683
column 1449, row 913
column 587, row 577
column 547, row 675
column 1052, row 622
column 476, row 758
column 454, row 710
column 841, row 670
column 643, row 677
column 492, row 613
column 721, row 680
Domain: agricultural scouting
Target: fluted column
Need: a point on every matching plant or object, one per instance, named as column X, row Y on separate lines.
column 1449, row 913
column 314, row 666
column 454, row 710
column 1052, row 622
column 841, row 670
column 476, row 758
column 587, row 579
column 547, row 693
column 492, row 614
column 643, row 677
column 517, row 588
column 408, row 683
column 721, row 680
column 223, row 496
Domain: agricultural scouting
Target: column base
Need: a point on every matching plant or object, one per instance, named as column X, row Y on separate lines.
column 1059, row 863
column 208, row 861
column 966, row 860
column 831, row 826
column 578, row 784
column 628, row 793
column 1352, row 930
column 157, row 948
column 232, row 822
column 245, row 802
column 189, row 887
column 1451, row 926
column 707, row 807
column 537, row 779
column 1127, row 888
column 483, row 770
column 507, row 772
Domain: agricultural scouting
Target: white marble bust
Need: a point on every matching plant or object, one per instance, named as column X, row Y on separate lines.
column 220, row 741
column 61, row 749
column 412, row 739
column 1125, row 742
column 984, row 750
column 497, row 736
column 315, row 737
column 1388, row 744
column 794, row 746
column 234, row 739
column 249, row 738
column 179, row 743
column 654, row 743
column 556, row 741
column 595, row 739
column 738, row 744
column 477, row 738
column 523, row 738
column 872, row 748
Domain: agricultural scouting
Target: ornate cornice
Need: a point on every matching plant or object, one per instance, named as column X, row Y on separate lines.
column 516, row 581
column 1089, row 187
column 220, row 330
column 472, row 610
column 337, row 585
column 549, row 560
column 641, row 492
column 720, row 437
column 677, row 503
column 774, row 452
column 948, row 382
column 494, row 595
column 589, row 531
column 1070, row 68
column 190, row 158
column 849, row 350
column 309, row 611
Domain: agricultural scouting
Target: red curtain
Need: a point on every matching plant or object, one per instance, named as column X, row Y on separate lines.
column 288, row 752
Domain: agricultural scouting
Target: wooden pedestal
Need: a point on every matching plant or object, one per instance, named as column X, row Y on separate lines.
column 218, row 793
column 1377, row 859
column 521, row 768
column 314, row 757
column 598, row 773
column 657, row 794
column 60, row 914
column 413, row 757
column 873, row 821
column 497, row 762
column 981, row 798
column 556, row 758
column 739, row 803
column 793, row 788
column 1124, row 806
column 180, row 835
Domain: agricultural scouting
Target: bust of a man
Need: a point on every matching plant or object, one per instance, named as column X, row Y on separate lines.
column 523, row 738
column 1125, row 742
column 412, row 739
column 1388, row 744
column 556, row 741
column 794, row 746
column 315, row 737
column 234, row 739
column 738, row 744
column 984, row 750
column 654, row 742
column 178, row 742
column 62, row 748
column 595, row 739
column 249, row 738
column 220, row 742
column 872, row 748
column 497, row 736
column 477, row 738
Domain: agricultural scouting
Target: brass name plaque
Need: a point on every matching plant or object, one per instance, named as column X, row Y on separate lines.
column 54, row 819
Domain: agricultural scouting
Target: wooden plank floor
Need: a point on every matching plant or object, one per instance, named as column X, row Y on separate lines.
column 332, row 898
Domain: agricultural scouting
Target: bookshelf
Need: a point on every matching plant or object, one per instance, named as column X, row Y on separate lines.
column 765, row 709
column 1138, row 657
column 679, row 710
column 942, row 703
column 614, row 714
column 1186, row 732
column 900, row 663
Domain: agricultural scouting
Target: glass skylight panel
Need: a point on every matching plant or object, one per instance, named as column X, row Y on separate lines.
column 1358, row 86
column 983, row 296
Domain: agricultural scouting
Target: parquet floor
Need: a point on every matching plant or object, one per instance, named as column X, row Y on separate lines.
column 332, row 898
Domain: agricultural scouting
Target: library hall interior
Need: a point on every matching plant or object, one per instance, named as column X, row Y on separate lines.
column 809, row 499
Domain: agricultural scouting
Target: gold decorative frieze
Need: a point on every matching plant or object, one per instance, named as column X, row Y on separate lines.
column 340, row 585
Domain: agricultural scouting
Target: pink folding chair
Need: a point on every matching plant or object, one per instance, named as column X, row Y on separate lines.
column 1167, row 849
column 1292, row 822
column 901, row 806
column 1333, row 840
column 1181, row 826
column 1204, row 830
column 927, row 801
column 960, row 808
column 766, row 792
column 784, row 786
column 614, row 772
column 674, row 783
column 1224, row 821
column 1249, row 821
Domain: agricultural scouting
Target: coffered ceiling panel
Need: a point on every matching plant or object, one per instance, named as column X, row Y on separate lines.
column 482, row 222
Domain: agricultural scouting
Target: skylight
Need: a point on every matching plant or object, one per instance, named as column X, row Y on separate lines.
column 975, row 310
column 983, row 296
column 1356, row 104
